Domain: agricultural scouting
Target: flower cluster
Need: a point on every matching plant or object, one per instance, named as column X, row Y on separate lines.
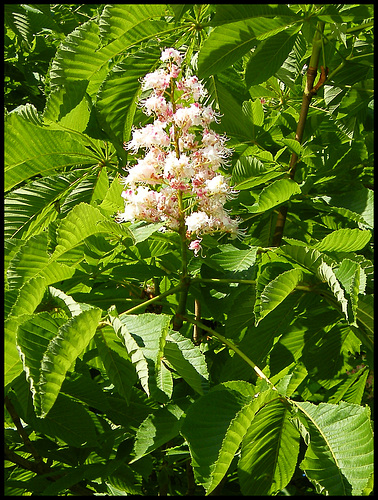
column 177, row 180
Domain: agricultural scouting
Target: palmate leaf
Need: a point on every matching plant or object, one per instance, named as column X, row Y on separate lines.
column 339, row 457
column 269, row 451
column 48, row 350
column 214, row 442
column 32, row 260
column 269, row 56
column 276, row 193
column 229, row 42
column 83, row 56
column 31, row 150
column 249, row 172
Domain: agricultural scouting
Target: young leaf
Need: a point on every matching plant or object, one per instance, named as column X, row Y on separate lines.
column 269, row 451
column 326, row 274
column 339, row 457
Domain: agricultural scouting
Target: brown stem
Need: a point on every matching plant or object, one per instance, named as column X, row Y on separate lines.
column 196, row 328
column 309, row 92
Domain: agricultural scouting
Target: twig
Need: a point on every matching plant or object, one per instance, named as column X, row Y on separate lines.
column 310, row 91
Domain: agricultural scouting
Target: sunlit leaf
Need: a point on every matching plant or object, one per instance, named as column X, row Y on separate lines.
column 341, row 443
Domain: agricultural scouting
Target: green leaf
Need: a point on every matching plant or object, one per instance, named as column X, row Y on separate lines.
column 140, row 231
column 269, row 56
column 249, row 172
column 32, row 260
column 214, row 441
column 229, row 42
column 157, row 429
column 276, row 193
column 339, row 457
column 227, row 13
column 269, row 451
column 327, row 275
column 48, row 352
column 234, row 259
column 31, row 150
column 344, row 240
column 81, row 222
column 352, row 389
column 29, row 210
column 188, row 360
column 144, row 337
column 275, row 292
column 115, row 359
column 117, row 97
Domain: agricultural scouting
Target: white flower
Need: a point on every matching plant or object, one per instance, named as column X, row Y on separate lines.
column 197, row 221
column 217, row 185
column 171, row 54
column 159, row 80
column 149, row 136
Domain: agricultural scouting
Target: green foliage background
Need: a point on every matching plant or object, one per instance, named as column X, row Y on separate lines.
column 273, row 393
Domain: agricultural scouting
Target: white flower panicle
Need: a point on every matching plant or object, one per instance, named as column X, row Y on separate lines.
column 182, row 156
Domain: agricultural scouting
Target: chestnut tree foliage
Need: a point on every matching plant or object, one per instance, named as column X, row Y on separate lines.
column 142, row 359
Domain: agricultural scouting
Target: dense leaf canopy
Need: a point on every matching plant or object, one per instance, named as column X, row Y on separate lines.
column 134, row 366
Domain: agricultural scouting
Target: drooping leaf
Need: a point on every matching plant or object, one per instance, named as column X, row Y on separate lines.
column 144, row 337
column 48, row 351
column 269, row 451
column 341, row 444
column 327, row 275
column 188, row 361
column 116, row 361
